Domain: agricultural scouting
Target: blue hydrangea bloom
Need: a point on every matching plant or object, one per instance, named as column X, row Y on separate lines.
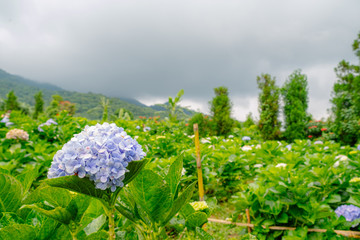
column 358, row 147
column 350, row 212
column 100, row 152
column 146, row 129
column 137, row 127
column 5, row 119
column 47, row 123
column 246, row 138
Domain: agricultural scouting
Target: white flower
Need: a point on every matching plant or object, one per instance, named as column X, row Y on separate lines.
column 258, row 165
column 288, row 147
column 281, row 165
column 204, row 141
column 183, row 171
column 231, row 136
column 326, row 148
column 246, row 148
column 342, row 158
column 318, row 142
column 258, row 146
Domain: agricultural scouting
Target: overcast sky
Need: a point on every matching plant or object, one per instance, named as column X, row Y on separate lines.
column 150, row 49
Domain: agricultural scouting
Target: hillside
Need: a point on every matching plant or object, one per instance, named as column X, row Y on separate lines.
column 87, row 104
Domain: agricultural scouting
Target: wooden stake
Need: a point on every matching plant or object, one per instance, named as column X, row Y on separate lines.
column 248, row 219
column 198, row 163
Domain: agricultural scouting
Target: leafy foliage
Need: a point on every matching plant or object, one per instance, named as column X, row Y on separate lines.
column 221, row 111
column 295, row 96
column 269, row 123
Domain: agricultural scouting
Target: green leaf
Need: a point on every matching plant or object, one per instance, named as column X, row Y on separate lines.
column 202, row 234
column 283, row 218
column 56, row 197
column 134, row 168
column 11, row 192
column 152, row 193
column 335, row 198
column 95, row 225
column 59, row 214
column 102, row 235
column 196, row 219
column 174, row 175
column 180, row 201
column 27, row 177
column 126, row 212
column 79, row 185
column 187, row 210
column 18, row 231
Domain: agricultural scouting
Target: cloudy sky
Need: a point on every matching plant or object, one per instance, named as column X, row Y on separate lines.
column 150, row 49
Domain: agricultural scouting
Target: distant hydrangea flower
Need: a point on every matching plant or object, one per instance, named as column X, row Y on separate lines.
column 199, row 206
column 47, row 123
column 203, row 140
column 355, row 179
column 326, row 147
column 146, row 129
column 258, row 146
column 246, row 138
column 350, row 212
column 138, row 127
column 231, row 136
column 342, row 158
column 17, row 134
column 258, row 165
column 358, row 147
column 281, row 165
column 6, row 120
column 246, row 148
column 183, row 172
column 288, row 147
column 318, row 142
column 100, row 152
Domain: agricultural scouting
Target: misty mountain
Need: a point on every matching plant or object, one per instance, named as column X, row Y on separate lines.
column 87, row 104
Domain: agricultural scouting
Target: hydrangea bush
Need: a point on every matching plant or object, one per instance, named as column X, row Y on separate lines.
column 350, row 212
column 101, row 153
column 17, row 134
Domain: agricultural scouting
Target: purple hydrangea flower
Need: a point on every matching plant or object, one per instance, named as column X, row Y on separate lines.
column 146, row 129
column 47, row 123
column 100, row 152
column 350, row 212
column 358, row 147
column 5, row 119
column 246, row 138
column 137, row 127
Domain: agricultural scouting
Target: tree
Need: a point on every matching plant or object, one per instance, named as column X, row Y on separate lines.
column 346, row 100
column 295, row 97
column 54, row 106
column 11, row 102
column 221, row 111
column 174, row 105
column 269, row 124
column 249, row 120
column 39, row 104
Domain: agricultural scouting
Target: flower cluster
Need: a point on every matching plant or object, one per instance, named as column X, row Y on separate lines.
column 350, row 212
column 6, row 120
column 199, row 206
column 100, row 152
column 246, row 138
column 17, row 134
column 47, row 123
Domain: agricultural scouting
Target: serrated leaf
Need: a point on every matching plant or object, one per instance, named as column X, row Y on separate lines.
column 126, row 212
column 152, row 193
column 27, row 177
column 11, row 192
column 202, row 234
column 79, row 185
column 55, row 197
column 187, row 210
column 174, row 175
column 18, row 231
column 196, row 219
column 134, row 168
column 59, row 214
column 180, row 201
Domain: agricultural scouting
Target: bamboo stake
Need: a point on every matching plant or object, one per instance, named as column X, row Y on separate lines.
column 248, row 219
column 198, row 163
column 347, row 233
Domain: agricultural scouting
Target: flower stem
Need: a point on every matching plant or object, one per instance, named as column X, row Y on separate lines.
column 111, row 223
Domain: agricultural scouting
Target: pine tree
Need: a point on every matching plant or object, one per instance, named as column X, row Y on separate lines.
column 39, row 104
column 11, row 102
column 221, row 111
column 269, row 124
column 295, row 96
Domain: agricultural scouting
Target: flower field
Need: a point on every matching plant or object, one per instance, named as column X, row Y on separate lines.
column 138, row 180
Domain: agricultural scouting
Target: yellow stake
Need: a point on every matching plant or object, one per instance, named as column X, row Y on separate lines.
column 198, row 163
